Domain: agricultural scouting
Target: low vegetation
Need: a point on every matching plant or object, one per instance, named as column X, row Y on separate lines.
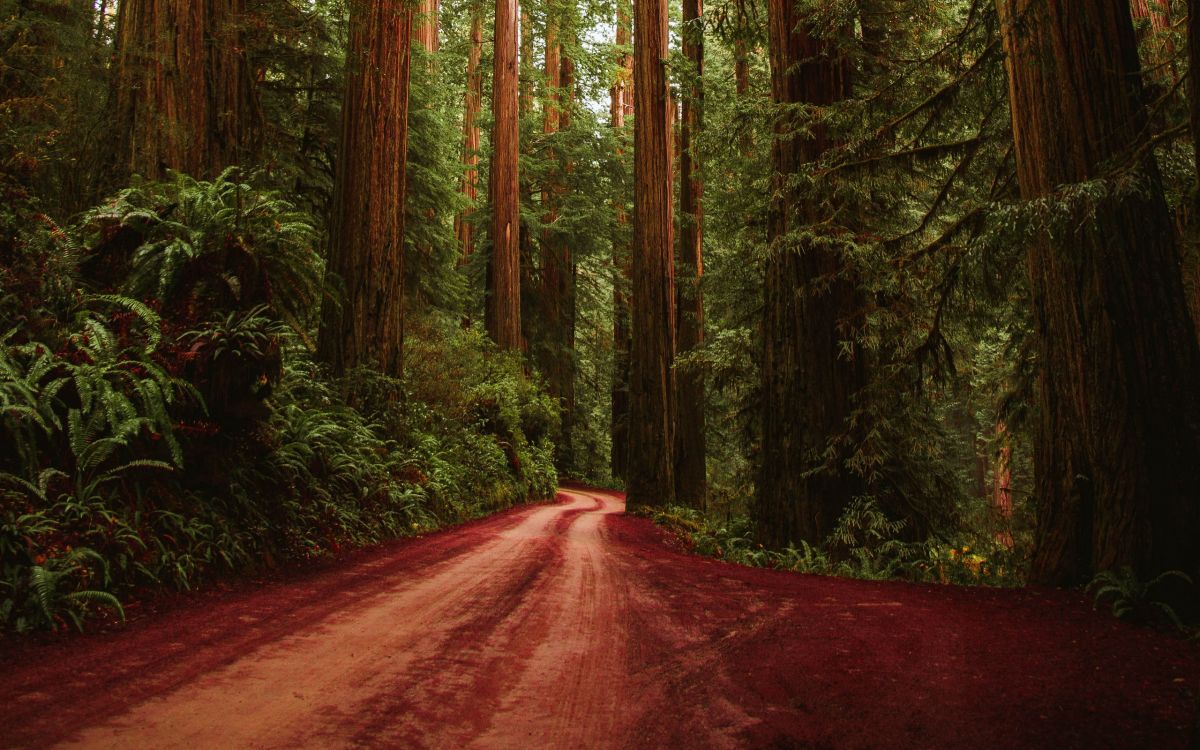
column 168, row 424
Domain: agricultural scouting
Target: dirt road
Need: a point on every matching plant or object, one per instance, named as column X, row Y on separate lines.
column 571, row 625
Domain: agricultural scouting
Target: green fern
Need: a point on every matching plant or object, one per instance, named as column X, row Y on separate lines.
column 50, row 601
column 184, row 221
column 1131, row 597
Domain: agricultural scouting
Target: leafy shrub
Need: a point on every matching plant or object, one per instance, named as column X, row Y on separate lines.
column 164, row 441
column 200, row 246
column 865, row 544
column 1132, row 598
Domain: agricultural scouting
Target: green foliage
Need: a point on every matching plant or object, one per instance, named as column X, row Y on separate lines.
column 865, row 544
column 166, row 441
column 49, row 598
column 206, row 246
column 1134, row 599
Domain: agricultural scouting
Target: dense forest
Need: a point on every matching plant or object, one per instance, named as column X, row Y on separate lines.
column 878, row 288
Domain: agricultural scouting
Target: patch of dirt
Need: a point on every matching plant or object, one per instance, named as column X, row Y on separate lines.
column 574, row 625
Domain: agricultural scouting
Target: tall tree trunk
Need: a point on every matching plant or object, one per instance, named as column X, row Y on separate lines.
column 691, row 485
column 366, row 249
column 1001, row 500
column 504, row 304
column 1192, row 254
column 184, row 94
column 1157, row 12
column 651, row 480
column 555, row 350
column 426, row 26
column 741, row 55
column 620, row 100
column 1161, row 60
column 1117, row 447
column 464, row 229
column 526, row 69
column 526, row 250
column 808, row 384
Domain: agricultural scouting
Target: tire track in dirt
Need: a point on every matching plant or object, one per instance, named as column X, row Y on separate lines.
column 457, row 654
column 575, row 626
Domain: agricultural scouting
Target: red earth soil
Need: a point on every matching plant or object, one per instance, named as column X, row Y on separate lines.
column 574, row 625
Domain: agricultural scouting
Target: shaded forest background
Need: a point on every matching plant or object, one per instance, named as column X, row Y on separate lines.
column 888, row 288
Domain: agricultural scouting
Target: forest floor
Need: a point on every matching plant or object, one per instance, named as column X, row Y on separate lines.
column 572, row 625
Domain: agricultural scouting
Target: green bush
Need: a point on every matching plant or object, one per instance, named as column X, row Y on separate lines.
column 865, row 544
column 180, row 430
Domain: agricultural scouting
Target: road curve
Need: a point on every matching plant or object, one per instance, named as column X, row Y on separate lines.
column 511, row 641
column 571, row 625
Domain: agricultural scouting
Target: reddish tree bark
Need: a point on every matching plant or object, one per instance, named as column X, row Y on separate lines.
column 183, row 90
column 554, row 348
column 366, row 249
column 651, row 475
column 426, row 26
column 1192, row 254
column 691, row 484
column 620, row 102
column 807, row 382
column 464, row 229
column 504, row 302
column 1117, row 447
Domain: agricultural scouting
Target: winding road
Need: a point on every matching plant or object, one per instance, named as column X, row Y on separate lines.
column 571, row 625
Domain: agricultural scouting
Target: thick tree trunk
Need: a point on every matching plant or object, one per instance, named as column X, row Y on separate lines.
column 1193, row 84
column 464, row 229
column 555, row 350
column 183, row 91
column 1117, row 448
column 504, row 303
column 1001, row 496
column 620, row 102
column 426, row 27
column 691, row 485
column 808, row 383
column 1157, row 12
column 1192, row 254
column 651, row 479
column 1154, row 17
column 741, row 55
column 366, row 249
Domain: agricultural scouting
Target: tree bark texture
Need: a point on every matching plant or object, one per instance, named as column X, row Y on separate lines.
column 426, row 26
column 808, row 384
column 504, row 303
column 556, row 290
column 1192, row 251
column 464, row 229
column 366, row 250
column 691, row 484
column 183, row 90
column 620, row 102
column 1117, row 447
column 651, row 475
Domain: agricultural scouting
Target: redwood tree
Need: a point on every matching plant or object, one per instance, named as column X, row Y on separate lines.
column 690, row 468
column 556, row 290
column 464, row 229
column 808, row 383
column 183, row 90
column 504, row 300
column 651, row 475
column 426, row 26
column 620, row 103
column 1117, row 446
column 366, row 235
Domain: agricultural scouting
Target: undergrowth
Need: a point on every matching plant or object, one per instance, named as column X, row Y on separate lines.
column 865, row 544
column 163, row 422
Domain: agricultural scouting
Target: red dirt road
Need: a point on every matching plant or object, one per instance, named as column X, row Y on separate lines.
column 572, row 625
